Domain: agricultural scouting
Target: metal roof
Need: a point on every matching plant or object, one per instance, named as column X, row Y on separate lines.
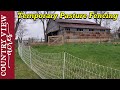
column 84, row 26
column 79, row 24
column 75, row 21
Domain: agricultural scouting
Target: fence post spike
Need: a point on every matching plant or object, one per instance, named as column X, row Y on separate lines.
column 30, row 57
column 64, row 65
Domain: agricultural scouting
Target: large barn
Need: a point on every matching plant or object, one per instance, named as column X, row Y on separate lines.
column 78, row 30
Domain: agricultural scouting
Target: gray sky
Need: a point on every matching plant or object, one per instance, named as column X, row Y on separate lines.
column 36, row 29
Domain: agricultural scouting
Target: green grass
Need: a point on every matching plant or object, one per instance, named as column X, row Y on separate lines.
column 103, row 54
column 22, row 71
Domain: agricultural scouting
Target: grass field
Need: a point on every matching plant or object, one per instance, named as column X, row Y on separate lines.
column 103, row 54
column 22, row 71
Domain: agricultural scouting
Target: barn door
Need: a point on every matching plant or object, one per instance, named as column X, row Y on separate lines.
column 55, row 40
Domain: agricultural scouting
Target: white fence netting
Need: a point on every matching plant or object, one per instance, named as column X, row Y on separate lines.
column 64, row 65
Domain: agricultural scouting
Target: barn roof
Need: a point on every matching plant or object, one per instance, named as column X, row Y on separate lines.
column 79, row 24
column 75, row 21
column 84, row 26
column 66, row 23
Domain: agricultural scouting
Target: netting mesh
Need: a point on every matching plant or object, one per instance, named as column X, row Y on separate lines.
column 64, row 65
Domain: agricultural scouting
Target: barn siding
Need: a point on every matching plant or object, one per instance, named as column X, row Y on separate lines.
column 73, row 34
column 52, row 26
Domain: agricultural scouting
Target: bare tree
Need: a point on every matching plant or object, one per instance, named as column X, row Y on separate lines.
column 115, row 28
column 107, row 23
column 17, row 24
column 45, row 22
column 19, row 27
column 99, row 21
column 17, row 21
column 21, row 31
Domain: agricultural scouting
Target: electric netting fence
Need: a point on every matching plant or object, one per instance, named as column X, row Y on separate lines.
column 64, row 65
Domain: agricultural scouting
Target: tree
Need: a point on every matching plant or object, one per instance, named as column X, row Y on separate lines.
column 18, row 22
column 107, row 23
column 45, row 22
column 21, row 31
column 99, row 21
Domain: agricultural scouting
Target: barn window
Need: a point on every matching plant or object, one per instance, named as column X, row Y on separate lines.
column 79, row 29
column 91, row 30
column 107, row 31
column 68, row 29
column 102, row 30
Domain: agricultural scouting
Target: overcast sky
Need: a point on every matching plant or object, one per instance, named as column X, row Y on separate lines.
column 36, row 29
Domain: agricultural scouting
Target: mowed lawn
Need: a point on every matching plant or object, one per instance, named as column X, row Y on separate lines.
column 103, row 54
column 22, row 71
